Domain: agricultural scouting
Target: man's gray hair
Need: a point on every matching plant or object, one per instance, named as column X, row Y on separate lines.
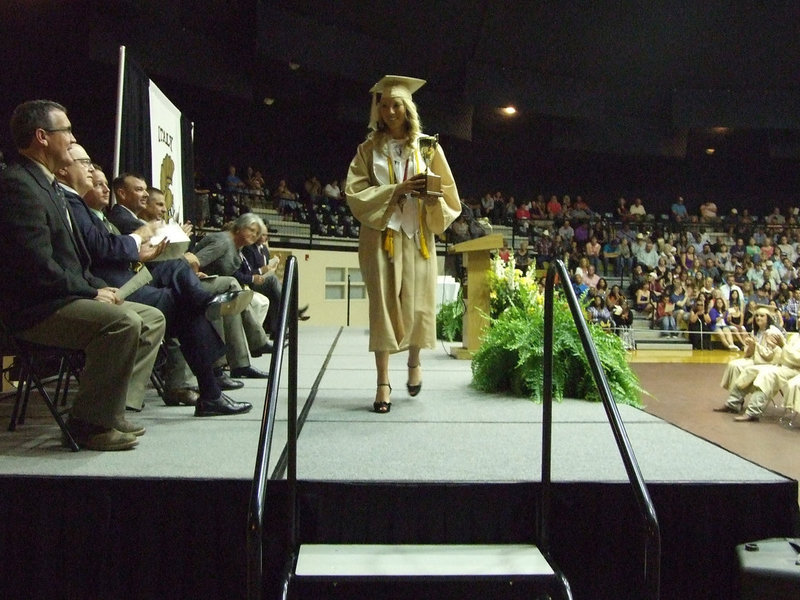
column 247, row 220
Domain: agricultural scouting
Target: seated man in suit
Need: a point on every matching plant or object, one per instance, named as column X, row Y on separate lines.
column 179, row 295
column 130, row 193
column 178, row 386
column 156, row 207
column 258, row 273
column 242, row 333
column 49, row 294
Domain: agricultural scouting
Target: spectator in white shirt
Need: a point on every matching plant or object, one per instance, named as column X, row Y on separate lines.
column 332, row 193
column 648, row 258
column 637, row 210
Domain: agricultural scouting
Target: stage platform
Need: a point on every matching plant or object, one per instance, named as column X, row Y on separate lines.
column 167, row 519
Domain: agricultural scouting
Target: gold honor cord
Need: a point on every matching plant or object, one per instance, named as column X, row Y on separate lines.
column 388, row 236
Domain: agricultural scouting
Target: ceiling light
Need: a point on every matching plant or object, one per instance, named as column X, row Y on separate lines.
column 710, row 151
column 293, row 64
column 508, row 110
column 269, row 101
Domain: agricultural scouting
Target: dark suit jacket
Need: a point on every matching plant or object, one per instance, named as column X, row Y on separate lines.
column 111, row 254
column 125, row 221
column 252, row 263
column 255, row 257
column 44, row 263
column 175, row 289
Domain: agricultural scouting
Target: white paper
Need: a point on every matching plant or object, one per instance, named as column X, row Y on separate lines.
column 178, row 241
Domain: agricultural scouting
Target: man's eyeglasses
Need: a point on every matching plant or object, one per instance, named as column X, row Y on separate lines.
column 67, row 130
column 86, row 162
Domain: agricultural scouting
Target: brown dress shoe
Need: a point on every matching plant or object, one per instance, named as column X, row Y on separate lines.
column 109, row 440
column 125, row 426
column 181, row 397
column 97, row 437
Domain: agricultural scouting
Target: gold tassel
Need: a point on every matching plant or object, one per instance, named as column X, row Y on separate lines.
column 388, row 239
column 423, row 244
column 388, row 242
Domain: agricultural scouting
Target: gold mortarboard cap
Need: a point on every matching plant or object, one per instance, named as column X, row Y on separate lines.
column 392, row 86
column 397, row 86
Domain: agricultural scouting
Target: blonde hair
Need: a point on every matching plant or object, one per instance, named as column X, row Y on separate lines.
column 413, row 126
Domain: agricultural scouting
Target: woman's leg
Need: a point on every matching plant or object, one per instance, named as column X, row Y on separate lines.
column 725, row 337
column 414, row 370
column 382, row 367
column 729, row 337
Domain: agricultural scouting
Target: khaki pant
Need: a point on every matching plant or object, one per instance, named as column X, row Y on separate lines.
column 120, row 342
column 242, row 332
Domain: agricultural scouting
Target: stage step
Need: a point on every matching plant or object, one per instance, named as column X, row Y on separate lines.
column 452, row 570
column 654, row 339
column 670, row 345
column 421, row 560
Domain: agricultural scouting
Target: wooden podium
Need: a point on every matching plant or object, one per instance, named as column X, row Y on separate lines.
column 476, row 291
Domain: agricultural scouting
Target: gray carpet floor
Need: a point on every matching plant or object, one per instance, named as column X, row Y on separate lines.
column 450, row 432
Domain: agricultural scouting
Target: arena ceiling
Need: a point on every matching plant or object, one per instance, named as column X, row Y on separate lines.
column 659, row 77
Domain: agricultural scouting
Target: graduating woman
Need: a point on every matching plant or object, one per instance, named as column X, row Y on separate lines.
column 385, row 190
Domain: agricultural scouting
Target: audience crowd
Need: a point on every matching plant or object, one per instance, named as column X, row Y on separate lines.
column 697, row 275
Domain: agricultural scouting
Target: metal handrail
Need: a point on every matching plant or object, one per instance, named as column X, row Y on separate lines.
column 258, row 493
column 652, row 567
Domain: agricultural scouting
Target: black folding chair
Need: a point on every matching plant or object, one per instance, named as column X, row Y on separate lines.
column 32, row 360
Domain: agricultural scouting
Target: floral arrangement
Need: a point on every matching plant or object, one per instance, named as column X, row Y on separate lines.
column 511, row 355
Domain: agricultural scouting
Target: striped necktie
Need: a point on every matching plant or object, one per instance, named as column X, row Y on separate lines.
column 110, row 226
column 62, row 201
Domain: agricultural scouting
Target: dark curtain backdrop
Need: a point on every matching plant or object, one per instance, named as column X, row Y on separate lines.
column 135, row 155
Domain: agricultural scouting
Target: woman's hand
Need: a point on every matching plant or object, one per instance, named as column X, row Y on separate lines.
column 414, row 186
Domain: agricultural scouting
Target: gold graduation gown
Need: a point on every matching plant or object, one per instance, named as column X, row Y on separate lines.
column 401, row 290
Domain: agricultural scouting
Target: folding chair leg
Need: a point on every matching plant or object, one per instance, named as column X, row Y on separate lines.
column 21, row 404
column 62, row 379
column 56, row 415
column 158, row 384
column 26, row 394
column 22, row 385
column 66, row 373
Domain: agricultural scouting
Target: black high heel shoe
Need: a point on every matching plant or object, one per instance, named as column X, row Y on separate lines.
column 413, row 390
column 381, row 406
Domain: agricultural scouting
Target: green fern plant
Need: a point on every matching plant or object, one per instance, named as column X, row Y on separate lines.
column 450, row 320
column 511, row 355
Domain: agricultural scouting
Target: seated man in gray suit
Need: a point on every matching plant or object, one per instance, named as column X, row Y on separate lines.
column 51, row 297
